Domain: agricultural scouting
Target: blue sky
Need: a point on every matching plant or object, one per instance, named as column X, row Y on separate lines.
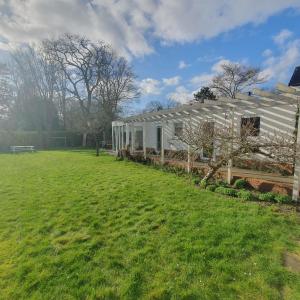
column 251, row 44
column 175, row 47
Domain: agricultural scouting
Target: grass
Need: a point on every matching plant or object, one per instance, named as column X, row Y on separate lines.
column 74, row 226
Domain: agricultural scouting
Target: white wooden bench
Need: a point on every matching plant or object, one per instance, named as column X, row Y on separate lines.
column 15, row 149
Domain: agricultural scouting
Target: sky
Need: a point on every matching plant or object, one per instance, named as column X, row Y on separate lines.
column 175, row 47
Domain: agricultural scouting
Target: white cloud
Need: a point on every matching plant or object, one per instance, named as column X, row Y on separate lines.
column 209, row 58
column 130, row 25
column 267, row 52
column 204, row 79
column 182, row 65
column 280, row 67
column 150, row 86
column 171, row 81
column 217, row 67
column 181, row 95
column 282, row 36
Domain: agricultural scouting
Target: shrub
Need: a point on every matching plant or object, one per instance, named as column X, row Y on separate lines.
column 222, row 183
column 226, row 191
column 196, row 181
column 211, row 187
column 266, row 196
column 240, row 183
column 245, row 195
column 203, row 183
column 282, row 198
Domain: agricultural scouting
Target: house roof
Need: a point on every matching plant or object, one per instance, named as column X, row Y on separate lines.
column 295, row 79
column 241, row 103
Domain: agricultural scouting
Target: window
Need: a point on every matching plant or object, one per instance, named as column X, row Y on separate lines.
column 250, row 126
column 178, row 129
column 138, row 139
column 158, row 138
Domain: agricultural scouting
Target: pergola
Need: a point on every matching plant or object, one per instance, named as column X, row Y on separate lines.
column 242, row 103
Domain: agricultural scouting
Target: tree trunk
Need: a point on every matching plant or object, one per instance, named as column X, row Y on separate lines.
column 84, row 139
column 211, row 172
column 213, row 169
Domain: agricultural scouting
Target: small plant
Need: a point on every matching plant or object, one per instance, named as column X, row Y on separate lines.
column 222, row 183
column 196, row 181
column 226, row 191
column 245, row 195
column 211, row 187
column 203, row 183
column 266, row 196
column 282, row 198
column 240, row 183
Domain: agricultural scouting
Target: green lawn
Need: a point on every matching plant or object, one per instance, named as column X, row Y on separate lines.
column 74, row 226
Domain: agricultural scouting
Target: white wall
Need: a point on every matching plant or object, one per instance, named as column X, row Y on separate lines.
column 280, row 118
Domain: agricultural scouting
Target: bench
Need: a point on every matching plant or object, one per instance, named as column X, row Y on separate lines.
column 15, row 149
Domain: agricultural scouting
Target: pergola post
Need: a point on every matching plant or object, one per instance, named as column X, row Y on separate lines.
column 132, row 138
column 229, row 165
column 122, row 136
column 120, row 140
column 117, row 138
column 296, row 183
column 189, row 159
column 112, row 138
column 162, row 151
column 144, row 140
column 127, row 135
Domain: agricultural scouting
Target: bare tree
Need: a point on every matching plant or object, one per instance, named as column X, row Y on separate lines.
column 235, row 78
column 32, row 79
column 153, row 106
column 223, row 143
column 6, row 92
column 116, row 86
column 156, row 105
column 82, row 63
column 96, row 77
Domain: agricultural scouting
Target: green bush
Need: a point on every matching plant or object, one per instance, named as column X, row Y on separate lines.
column 240, row 183
column 203, row 183
column 283, row 198
column 266, row 196
column 226, row 191
column 245, row 195
column 211, row 187
column 222, row 183
column 196, row 181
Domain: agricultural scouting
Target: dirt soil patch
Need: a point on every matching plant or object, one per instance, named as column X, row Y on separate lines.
column 292, row 261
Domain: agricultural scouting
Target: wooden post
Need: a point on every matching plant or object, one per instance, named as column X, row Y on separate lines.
column 120, row 140
column 296, row 183
column 122, row 136
column 162, row 151
column 117, row 138
column 229, row 166
column 189, row 159
column 127, row 135
column 132, row 138
column 112, row 138
column 229, row 171
column 144, row 140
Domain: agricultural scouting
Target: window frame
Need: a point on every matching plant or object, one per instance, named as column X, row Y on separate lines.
column 181, row 128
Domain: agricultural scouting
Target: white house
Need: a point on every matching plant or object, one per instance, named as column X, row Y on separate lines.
column 268, row 112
